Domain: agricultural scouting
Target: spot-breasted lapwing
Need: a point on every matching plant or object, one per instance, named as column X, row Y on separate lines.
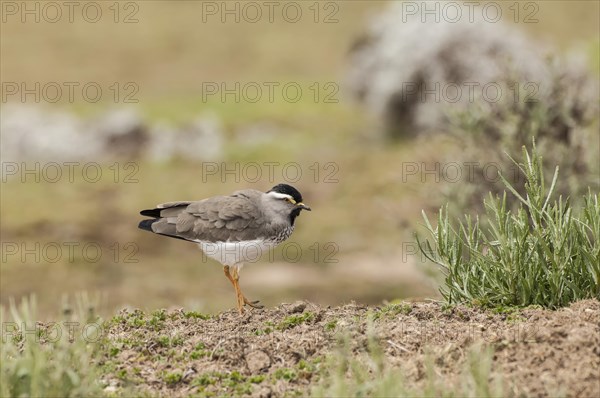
column 231, row 229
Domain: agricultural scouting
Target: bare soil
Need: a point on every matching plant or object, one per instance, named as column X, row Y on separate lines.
column 283, row 351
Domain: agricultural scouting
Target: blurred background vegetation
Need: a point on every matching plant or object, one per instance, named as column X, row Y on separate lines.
column 369, row 213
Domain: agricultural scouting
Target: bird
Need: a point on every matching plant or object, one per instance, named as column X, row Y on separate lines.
column 231, row 229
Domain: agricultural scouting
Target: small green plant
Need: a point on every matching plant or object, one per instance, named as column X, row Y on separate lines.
column 307, row 369
column 543, row 254
column 196, row 315
column 121, row 374
column 172, row 378
column 205, row 379
column 199, row 351
column 331, row 325
column 163, row 341
column 176, row 341
column 234, row 383
column 159, row 315
column 113, row 352
column 134, row 319
column 286, row 374
column 157, row 321
column 256, row 379
column 295, row 320
column 393, row 310
column 268, row 329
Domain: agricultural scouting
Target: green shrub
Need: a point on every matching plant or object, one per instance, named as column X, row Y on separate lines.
column 543, row 253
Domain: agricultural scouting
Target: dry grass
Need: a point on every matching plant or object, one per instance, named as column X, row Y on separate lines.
column 288, row 349
column 169, row 61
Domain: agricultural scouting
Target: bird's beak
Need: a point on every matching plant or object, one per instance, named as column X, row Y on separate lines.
column 303, row 206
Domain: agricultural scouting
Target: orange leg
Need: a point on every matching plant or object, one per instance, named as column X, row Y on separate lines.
column 241, row 299
column 253, row 304
column 236, row 287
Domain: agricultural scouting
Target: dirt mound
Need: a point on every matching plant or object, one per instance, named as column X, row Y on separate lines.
column 283, row 350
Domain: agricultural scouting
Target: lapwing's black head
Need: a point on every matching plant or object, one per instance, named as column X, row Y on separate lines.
column 287, row 198
column 286, row 189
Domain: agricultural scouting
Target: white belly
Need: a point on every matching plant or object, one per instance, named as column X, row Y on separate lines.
column 235, row 254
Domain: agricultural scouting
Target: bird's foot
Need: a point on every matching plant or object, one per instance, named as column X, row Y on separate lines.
column 253, row 304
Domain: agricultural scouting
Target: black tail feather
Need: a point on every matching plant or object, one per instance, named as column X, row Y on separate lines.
column 147, row 224
column 151, row 213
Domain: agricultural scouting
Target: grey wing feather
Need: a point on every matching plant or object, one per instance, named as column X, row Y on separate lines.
column 172, row 209
column 165, row 210
column 221, row 218
column 173, row 204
